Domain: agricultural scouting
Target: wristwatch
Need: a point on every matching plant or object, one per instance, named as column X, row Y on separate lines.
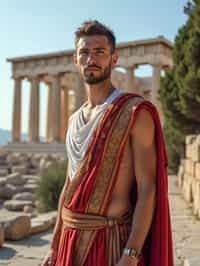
column 131, row 252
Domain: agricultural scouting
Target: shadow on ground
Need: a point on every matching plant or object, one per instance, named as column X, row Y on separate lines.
column 7, row 253
column 33, row 240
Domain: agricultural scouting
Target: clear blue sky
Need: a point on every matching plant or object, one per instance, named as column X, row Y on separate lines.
column 41, row 26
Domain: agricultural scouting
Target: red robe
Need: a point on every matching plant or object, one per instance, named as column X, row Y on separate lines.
column 89, row 194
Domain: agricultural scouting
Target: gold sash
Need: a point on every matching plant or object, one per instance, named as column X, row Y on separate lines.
column 84, row 221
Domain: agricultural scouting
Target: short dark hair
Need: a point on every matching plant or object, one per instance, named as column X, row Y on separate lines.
column 94, row 27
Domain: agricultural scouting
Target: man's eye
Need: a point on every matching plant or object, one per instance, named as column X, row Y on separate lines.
column 83, row 52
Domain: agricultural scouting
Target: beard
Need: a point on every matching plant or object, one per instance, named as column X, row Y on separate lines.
column 91, row 79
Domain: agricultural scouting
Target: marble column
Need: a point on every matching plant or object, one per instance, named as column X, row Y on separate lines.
column 130, row 79
column 33, row 135
column 79, row 92
column 49, row 114
column 56, row 108
column 64, row 113
column 155, row 83
column 16, row 118
column 155, row 98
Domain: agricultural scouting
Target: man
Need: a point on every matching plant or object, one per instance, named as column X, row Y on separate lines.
column 113, row 210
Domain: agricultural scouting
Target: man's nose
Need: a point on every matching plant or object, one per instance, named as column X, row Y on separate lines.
column 91, row 58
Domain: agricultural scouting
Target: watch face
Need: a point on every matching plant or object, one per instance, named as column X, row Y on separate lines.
column 133, row 253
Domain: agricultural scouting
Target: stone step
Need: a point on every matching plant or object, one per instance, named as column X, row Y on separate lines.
column 59, row 148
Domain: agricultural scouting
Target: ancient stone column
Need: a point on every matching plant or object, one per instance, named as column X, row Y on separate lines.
column 130, row 79
column 64, row 113
column 56, row 108
column 33, row 135
column 155, row 83
column 155, row 90
column 16, row 119
column 49, row 114
column 79, row 91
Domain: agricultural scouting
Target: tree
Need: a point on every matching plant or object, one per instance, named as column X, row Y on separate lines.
column 180, row 89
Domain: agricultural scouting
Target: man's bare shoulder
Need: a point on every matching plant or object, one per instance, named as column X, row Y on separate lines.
column 143, row 127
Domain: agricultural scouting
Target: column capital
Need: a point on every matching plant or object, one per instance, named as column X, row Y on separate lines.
column 56, row 75
column 17, row 78
column 33, row 78
column 157, row 65
column 133, row 67
column 167, row 67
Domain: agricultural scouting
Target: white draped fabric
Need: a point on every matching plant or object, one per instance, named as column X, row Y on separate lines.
column 79, row 134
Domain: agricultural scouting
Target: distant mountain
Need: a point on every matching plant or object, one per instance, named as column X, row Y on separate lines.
column 6, row 136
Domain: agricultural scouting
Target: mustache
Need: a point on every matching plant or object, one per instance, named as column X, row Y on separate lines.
column 92, row 66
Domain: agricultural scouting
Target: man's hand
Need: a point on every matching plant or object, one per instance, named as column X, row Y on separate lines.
column 127, row 261
column 50, row 258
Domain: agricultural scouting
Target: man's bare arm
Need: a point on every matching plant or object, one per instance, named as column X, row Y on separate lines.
column 145, row 158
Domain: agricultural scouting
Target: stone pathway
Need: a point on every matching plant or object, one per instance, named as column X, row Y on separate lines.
column 186, row 234
column 186, row 229
column 26, row 252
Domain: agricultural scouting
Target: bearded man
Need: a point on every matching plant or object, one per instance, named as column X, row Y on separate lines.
column 113, row 209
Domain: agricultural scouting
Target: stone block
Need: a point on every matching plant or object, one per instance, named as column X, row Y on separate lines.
column 2, row 236
column 28, row 209
column 17, row 205
column 32, row 171
column 20, row 189
column 15, row 179
column 30, row 187
column 187, row 188
column 21, row 169
column 31, row 181
column 193, row 187
column 188, row 151
column 16, row 228
column 190, row 167
column 180, row 175
column 192, row 261
column 3, row 172
column 31, row 177
column 43, row 222
column 13, row 158
column 196, row 152
column 190, row 139
column 7, row 191
column 2, row 181
column 196, row 197
column 38, row 226
column 24, row 196
column 197, row 171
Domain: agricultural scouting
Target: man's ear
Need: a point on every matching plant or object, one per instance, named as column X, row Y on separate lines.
column 75, row 58
column 114, row 59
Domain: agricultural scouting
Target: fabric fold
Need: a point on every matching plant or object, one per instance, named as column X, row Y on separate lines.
column 90, row 191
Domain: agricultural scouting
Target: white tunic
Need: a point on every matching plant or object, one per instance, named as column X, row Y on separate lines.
column 80, row 133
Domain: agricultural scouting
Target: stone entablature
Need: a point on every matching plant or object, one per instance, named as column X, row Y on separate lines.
column 152, row 51
column 65, row 86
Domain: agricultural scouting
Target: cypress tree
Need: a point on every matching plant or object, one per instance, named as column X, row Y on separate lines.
column 180, row 88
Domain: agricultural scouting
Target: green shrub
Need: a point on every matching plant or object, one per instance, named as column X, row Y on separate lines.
column 50, row 186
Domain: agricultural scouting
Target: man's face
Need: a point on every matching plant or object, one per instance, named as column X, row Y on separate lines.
column 94, row 58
